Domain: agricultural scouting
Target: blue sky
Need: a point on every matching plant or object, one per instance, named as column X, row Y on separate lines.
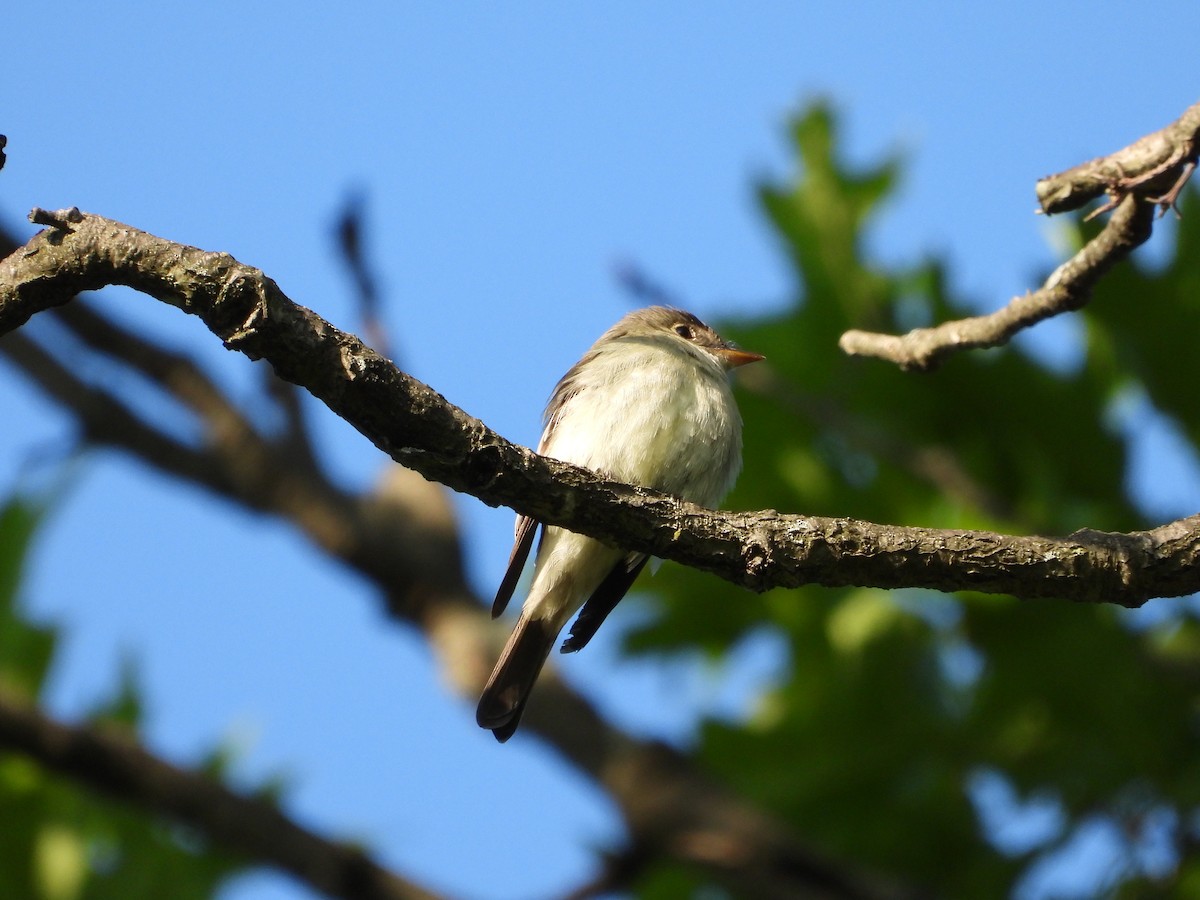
column 512, row 156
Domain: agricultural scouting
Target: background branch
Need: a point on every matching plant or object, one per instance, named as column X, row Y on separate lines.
column 109, row 762
column 1068, row 288
column 1151, row 171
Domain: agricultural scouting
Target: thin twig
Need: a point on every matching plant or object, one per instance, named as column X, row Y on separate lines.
column 177, row 374
column 1068, row 288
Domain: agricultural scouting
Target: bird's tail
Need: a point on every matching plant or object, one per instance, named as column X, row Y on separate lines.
column 504, row 697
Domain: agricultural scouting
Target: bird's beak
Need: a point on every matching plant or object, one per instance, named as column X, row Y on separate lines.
column 732, row 357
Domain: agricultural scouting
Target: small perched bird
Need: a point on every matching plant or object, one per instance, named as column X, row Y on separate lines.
column 648, row 404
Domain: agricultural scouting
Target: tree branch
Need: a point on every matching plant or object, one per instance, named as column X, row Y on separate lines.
column 1149, row 172
column 403, row 537
column 1152, row 163
column 1069, row 287
column 113, row 764
column 421, row 430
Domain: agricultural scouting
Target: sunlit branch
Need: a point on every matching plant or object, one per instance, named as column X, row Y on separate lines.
column 1152, row 165
column 421, row 430
column 1150, row 172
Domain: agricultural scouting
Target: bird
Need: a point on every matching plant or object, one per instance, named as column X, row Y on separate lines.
column 648, row 404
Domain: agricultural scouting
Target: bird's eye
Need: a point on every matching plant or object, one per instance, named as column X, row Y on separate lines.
column 685, row 332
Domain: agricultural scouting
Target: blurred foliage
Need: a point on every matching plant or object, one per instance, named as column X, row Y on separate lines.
column 894, row 705
column 60, row 841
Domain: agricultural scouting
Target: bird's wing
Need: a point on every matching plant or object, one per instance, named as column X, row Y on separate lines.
column 564, row 392
column 526, row 528
column 603, row 600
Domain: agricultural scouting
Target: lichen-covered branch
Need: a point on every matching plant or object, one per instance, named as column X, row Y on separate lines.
column 1148, row 173
column 114, row 765
column 421, row 430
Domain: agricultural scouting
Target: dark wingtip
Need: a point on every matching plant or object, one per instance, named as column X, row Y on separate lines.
column 579, row 636
column 603, row 600
column 571, row 645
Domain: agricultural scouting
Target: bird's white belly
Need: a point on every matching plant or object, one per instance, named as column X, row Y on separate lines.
column 648, row 428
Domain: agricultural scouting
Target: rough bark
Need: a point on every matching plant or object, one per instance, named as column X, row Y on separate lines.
column 419, row 429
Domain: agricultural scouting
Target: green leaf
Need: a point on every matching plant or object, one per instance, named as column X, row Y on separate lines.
column 25, row 649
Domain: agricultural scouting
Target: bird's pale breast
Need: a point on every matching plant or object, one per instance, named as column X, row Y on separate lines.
column 642, row 416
